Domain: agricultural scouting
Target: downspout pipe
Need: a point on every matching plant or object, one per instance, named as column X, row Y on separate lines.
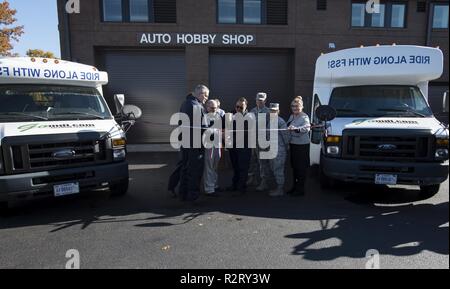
column 66, row 28
column 430, row 9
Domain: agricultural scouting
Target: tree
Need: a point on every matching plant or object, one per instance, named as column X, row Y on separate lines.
column 8, row 32
column 40, row 53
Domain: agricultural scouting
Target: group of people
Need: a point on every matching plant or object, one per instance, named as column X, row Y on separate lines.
column 248, row 167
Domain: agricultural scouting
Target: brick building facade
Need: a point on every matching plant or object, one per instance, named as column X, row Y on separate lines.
column 155, row 51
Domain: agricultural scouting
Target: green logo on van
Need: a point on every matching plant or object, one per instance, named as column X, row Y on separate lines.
column 30, row 126
column 359, row 121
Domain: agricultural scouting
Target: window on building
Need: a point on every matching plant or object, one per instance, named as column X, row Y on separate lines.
column 139, row 11
column 157, row 11
column 390, row 14
column 112, row 10
column 272, row 12
column 378, row 18
column 440, row 16
column 398, row 15
column 227, row 11
column 358, row 14
column 252, row 11
column 276, row 12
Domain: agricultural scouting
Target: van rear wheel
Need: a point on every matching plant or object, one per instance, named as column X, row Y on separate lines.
column 430, row 191
column 120, row 188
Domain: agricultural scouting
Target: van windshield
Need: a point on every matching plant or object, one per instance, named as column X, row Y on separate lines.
column 380, row 101
column 51, row 102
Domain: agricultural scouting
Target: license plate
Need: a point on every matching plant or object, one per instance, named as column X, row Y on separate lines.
column 66, row 189
column 385, row 179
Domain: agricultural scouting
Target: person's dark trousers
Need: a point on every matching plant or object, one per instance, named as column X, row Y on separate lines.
column 191, row 175
column 300, row 162
column 240, row 161
column 174, row 178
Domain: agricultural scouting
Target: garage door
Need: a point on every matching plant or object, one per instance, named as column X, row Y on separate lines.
column 234, row 74
column 153, row 80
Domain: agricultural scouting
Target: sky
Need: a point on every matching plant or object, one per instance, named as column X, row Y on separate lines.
column 40, row 21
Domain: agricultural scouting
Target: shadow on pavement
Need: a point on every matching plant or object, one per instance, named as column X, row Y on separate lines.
column 401, row 231
column 376, row 219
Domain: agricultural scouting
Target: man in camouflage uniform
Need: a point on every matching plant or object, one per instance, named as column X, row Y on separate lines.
column 258, row 167
column 277, row 165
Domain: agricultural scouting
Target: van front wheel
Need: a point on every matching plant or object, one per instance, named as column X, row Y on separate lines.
column 119, row 189
column 427, row 192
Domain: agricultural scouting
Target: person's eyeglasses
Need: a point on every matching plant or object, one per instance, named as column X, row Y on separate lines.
column 239, row 107
column 213, row 108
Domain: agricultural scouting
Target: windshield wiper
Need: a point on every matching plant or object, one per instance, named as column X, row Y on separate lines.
column 23, row 114
column 402, row 110
column 80, row 113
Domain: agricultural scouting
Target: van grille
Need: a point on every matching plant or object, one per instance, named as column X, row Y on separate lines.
column 388, row 145
column 38, row 155
column 41, row 155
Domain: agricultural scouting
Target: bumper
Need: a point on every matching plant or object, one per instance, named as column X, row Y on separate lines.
column 40, row 184
column 365, row 171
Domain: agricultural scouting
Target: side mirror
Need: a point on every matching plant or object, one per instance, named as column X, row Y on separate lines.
column 326, row 113
column 131, row 112
column 445, row 102
column 119, row 101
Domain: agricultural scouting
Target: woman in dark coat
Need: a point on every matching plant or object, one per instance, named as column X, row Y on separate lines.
column 240, row 156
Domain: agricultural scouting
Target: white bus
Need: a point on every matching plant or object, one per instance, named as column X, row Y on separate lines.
column 57, row 135
column 383, row 130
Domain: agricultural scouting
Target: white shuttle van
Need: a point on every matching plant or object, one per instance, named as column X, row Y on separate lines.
column 380, row 128
column 57, row 134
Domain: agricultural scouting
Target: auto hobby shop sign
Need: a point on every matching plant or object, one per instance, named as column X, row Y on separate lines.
column 196, row 39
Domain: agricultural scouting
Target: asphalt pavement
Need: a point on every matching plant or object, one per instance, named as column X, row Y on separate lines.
column 149, row 229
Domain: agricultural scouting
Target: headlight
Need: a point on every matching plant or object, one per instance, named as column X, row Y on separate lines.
column 441, row 154
column 441, row 149
column 119, row 149
column 333, row 150
column 119, row 154
column 333, row 145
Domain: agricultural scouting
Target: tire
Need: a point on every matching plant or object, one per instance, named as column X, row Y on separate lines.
column 430, row 191
column 119, row 189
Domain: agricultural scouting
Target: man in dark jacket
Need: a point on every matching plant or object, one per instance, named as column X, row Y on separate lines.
column 192, row 163
column 174, row 179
